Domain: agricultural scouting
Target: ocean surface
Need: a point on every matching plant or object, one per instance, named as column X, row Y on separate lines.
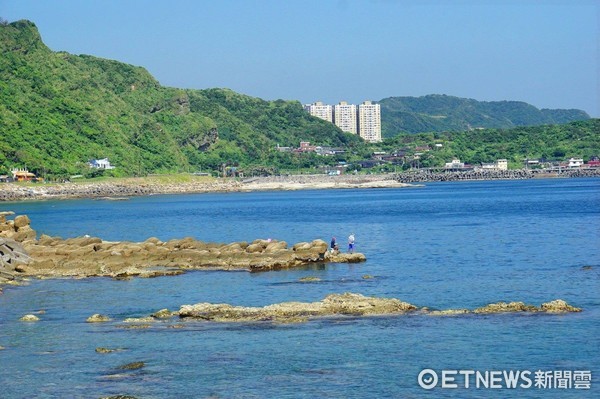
column 445, row 245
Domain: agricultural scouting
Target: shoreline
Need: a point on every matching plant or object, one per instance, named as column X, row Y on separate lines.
column 123, row 189
column 132, row 187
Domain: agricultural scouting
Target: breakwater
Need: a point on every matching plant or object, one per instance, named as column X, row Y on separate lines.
column 17, row 192
column 429, row 175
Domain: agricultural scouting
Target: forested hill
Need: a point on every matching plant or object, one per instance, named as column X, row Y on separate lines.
column 59, row 110
column 437, row 113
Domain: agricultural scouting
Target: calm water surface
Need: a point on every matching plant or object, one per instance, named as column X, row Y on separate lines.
column 447, row 245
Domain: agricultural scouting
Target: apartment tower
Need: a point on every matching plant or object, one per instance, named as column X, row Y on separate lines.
column 369, row 121
column 320, row 110
column 344, row 117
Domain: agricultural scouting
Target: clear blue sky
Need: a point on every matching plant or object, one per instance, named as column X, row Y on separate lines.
column 544, row 52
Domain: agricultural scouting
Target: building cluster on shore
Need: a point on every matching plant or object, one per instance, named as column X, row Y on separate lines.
column 364, row 119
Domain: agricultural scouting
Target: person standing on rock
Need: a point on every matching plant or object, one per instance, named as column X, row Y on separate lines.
column 333, row 244
column 351, row 243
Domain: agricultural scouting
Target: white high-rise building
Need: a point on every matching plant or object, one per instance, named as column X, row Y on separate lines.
column 320, row 110
column 369, row 121
column 344, row 117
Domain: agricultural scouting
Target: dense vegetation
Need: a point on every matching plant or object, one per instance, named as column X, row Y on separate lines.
column 438, row 113
column 58, row 110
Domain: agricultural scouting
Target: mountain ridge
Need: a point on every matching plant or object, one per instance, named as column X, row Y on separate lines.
column 440, row 112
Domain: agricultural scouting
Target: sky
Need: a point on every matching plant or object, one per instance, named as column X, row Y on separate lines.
column 543, row 52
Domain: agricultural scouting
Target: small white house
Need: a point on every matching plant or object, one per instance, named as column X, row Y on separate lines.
column 103, row 163
column 455, row 164
column 575, row 163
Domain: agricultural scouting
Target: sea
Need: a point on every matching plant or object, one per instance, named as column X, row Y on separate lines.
column 442, row 246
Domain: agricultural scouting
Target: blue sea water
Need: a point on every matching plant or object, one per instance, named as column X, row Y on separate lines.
column 445, row 245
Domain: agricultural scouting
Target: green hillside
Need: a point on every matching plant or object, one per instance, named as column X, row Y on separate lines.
column 552, row 142
column 437, row 113
column 58, row 110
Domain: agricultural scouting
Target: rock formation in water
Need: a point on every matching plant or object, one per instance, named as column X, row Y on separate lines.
column 347, row 304
column 91, row 256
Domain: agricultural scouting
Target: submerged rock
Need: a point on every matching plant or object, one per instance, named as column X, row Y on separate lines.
column 132, row 366
column 119, row 397
column 448, row 312
column 163, row 314
column 97, row 318
column 502, row 307
column 309, row 279
column 29, row 317
column 105, row 350
column 148, row 319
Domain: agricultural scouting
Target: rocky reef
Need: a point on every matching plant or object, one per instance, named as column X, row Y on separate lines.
column 334, row 305
column 25, row 255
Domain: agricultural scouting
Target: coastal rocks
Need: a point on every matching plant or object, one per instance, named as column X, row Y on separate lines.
column 163, row 314
column 97, row 318
column 309, row 279
column 18, row 229
column 503, row 307
column 340, row 257
column 105, row 350
column 332, row 305
column 349, row 304
column 13, row 261
column 448, row 312
column 29, row 318
column 132, row 366
column 119, row 190
column 91, row 256
column 558, row 306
